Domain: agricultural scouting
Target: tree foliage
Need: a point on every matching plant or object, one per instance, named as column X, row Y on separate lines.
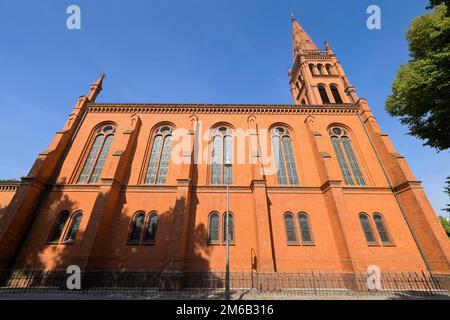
column 421, row 91
column 434, row 3
column 446, row 224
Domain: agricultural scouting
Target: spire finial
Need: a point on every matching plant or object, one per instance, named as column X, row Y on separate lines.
column 292, row 16
column 96, row 87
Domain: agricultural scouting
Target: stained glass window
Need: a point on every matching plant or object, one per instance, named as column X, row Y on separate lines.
column 222, row 153
column 159, row 161
column 97, row 156
column 341, row 143
column 284, row 157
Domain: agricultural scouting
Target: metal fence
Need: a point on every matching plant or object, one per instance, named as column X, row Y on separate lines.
column 213, row 282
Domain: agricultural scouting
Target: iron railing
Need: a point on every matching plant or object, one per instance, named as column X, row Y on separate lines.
column 213, row 282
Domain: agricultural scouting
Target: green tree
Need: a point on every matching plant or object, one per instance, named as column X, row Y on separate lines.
column 447, row 191
column 434, row 3
column 446, row 224
column 421, row 92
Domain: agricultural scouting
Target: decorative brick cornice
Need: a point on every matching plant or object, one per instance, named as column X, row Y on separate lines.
column 219, row 108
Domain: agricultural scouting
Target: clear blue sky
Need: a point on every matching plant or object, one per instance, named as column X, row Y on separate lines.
column 199, row 51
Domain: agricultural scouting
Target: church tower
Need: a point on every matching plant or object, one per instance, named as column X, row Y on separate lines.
column 317, row 77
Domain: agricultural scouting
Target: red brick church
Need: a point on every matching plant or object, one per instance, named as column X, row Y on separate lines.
column 315, row 185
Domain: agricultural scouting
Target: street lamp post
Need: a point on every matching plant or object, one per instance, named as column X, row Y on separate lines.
column 228, row 165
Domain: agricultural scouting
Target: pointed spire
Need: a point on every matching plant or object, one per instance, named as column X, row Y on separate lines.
column 301, row 39
column 96, row 88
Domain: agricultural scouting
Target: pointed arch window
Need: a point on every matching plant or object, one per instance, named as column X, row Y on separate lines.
column 74, row 227
column 150, row 230
column 284, row 157
column 305, row 230
column 160, row 156
column 367, row 228
column 222, row 152
column 341, row 143
column 230, row 227
column 323, row 94
column 214, row 221
column 336, row 95
column 59, row 226
column 93, row 165
column 381, row 228
column 136, row 228
column 290, row 228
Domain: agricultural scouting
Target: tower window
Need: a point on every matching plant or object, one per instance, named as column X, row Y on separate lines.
column 329, row 69
column 222, row 153
column 336, row 95
column 284, row 157
column 160, row 156
column 367, row 229
column 96, row 158
column 320, row 69
column 340, row 141
column 323, row 95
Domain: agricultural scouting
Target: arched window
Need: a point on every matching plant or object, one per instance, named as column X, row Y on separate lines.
column 93, row 165
column 340, row 141
column 136, row 228
column 311, row 69
column 214, row 221
column 284, row 157
column 222, row 153
column 324, row 95
column 336, row 95
column 303, row 102
column 230, row 227
column 320, row 69
column 290, row 227
column 305, row 229
column 74, row 226
column 365, row 224
column 58, row 228
column 382, row 231
column 150, row 230
column 160, row 156
column 329, row 69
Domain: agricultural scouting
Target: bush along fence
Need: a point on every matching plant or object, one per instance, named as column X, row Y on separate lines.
column 299, row 283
